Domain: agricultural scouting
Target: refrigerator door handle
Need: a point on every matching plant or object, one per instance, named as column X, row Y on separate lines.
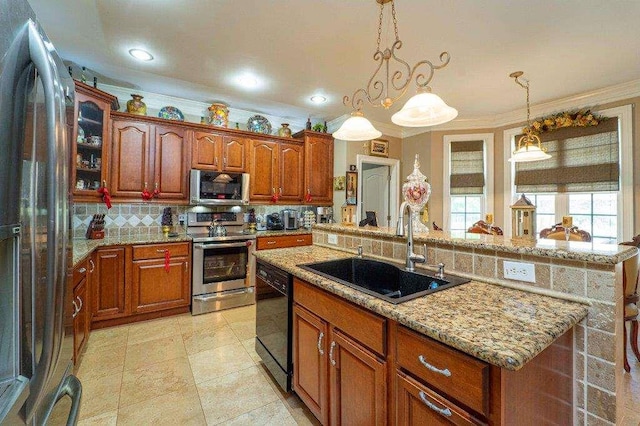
column 57, row 181
column 72, row 388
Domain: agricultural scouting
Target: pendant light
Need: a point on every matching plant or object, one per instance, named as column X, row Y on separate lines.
column 529, row 146
column 357, row 128
column 389, row 82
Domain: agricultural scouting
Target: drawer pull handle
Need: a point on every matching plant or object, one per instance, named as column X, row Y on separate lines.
column 424, row 362
column 443, row 411
column 320, row 351
column 75, row 309
column 81, row 304
column 271, row 242
column 299, row 241
column 161, row 251
column 93, row 265
column 333, row 361
column 82, row 270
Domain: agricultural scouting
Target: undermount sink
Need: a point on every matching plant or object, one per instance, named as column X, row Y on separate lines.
column 383, row 280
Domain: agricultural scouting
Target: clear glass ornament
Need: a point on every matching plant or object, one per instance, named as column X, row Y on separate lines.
column 416, row 191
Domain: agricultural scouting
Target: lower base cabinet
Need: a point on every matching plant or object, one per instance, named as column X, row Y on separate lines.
column 354, row 367
column 134, row 283
column 339, row 379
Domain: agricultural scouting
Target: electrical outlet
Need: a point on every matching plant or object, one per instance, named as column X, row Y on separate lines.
column 332, row 238
column 520, row 271
column 182, row 218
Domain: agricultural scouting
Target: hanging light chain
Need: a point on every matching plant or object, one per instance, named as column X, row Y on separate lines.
column 380, row 25
column 395, row 20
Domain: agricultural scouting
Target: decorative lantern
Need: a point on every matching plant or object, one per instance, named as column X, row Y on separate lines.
column 523, row 219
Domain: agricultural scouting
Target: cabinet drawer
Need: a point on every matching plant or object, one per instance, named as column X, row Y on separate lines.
column 156, row 251
column 79, row 272
column 264, row 243
column 367, row 328
column 418, row 405
column 460, row 376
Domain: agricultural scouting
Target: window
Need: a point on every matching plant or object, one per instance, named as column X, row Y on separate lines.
column 593, row 191
column 467, row 182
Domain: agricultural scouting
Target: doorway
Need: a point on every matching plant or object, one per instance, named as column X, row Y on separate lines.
column 378, row 186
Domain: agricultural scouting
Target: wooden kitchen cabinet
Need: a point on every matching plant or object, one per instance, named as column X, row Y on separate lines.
column 283, row 241
column 318, row 167
column 340, row 376
column 263, row 170
column 171, row 165
column 217, row 152
column 310, row 349
column 291, row 173
column 90, row 142
column 81, row 309
column 130, row 158
column 153, row 286
column 145, row 154
column 109, row 292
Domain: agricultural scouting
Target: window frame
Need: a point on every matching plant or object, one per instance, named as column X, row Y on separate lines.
column 488, row 193
column 625, row 224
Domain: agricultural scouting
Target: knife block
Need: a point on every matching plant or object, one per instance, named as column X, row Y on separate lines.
column 95, row 231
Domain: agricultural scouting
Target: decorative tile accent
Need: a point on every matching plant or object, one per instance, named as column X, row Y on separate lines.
column 133, row 220
column 146, row 221
column 120, row 221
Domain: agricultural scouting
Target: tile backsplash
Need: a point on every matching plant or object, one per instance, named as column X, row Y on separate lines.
column 145, row 219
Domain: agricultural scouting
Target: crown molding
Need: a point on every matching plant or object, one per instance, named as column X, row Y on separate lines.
column 619, row 92
column 156, row 101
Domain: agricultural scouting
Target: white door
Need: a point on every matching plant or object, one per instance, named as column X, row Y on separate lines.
column 375, row 192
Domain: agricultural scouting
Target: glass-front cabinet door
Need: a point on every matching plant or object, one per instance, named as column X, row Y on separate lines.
column 90, row 136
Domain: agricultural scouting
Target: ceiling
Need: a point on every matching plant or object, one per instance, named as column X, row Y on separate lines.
column 296, row 48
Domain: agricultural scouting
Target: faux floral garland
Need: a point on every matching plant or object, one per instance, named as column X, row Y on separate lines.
column 581, row 118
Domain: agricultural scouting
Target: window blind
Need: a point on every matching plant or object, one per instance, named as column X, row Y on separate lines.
column 467, row 167
column 583, row 159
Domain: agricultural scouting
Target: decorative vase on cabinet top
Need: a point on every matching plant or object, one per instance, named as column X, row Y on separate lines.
column 136, row 106
column 284, row 131
column 219, row 115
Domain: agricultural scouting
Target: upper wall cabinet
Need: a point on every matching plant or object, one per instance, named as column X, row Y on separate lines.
column 151, row 156
column 214, row 151
column 318, row 167
column 89, row 162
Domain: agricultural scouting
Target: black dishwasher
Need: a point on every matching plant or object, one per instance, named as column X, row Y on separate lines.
column 274, row 300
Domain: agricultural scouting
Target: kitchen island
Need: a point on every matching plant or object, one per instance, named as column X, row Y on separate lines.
column 576, row 272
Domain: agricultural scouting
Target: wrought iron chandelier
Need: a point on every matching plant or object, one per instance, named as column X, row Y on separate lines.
column 529, row 146
column 383, row 89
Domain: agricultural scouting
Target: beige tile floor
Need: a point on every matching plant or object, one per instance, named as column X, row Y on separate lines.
column 203, row 370
column 183, row 370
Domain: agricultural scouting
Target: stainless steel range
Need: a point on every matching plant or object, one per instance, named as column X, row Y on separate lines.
column 223, row 262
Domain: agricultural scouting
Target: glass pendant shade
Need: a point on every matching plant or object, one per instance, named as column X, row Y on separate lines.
column 357, row 128
column 528, row 152
column 424, row 109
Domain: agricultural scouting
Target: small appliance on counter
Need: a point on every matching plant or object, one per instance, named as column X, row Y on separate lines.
column 324, row 215
column 274, row 222
column 290, row 219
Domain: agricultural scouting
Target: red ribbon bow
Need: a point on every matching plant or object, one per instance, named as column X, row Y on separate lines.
column 106, row 197
column 146, row 195
column 167, row 260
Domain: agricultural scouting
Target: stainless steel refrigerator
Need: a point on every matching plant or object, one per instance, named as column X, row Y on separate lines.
column 36, row 106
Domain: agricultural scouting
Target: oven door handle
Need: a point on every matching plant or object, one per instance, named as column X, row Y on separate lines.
column 223, row 294
column 215, row 246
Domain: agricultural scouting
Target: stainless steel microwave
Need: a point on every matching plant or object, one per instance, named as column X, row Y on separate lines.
column 219, row 188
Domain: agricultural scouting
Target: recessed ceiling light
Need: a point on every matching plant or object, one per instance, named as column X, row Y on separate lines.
column 140, row 54
column 318, row 99
column 248, row 81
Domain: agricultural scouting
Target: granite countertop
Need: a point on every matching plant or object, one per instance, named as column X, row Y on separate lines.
column 82, row 247
column 301, row 231
column 502, row 326
column 573, row 250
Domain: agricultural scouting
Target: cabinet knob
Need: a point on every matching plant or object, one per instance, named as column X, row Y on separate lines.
column 82, row 270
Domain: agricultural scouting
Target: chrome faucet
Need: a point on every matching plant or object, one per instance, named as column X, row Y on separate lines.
column 412, row 258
